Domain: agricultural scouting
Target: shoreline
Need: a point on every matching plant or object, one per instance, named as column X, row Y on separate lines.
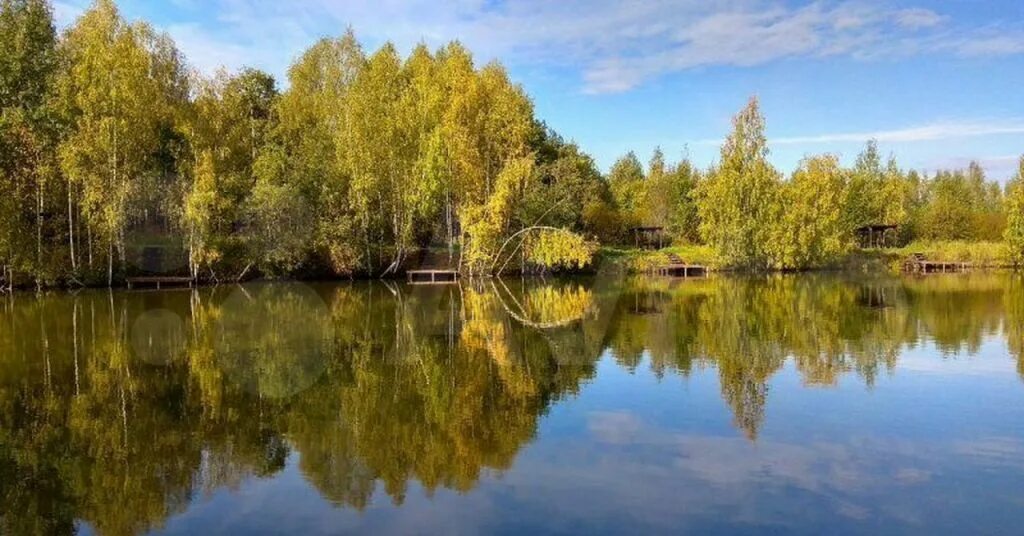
column 632, row 261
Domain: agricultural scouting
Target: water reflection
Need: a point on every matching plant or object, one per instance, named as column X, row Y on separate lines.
column 120, row 410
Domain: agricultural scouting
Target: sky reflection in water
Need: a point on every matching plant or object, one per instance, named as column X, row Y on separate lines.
column 806, row 404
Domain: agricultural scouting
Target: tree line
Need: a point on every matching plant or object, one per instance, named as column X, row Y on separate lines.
column 112, row 147
column 756, row 218
column 116, row 158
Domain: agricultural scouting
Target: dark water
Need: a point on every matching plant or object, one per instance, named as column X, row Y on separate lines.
column 804, row 404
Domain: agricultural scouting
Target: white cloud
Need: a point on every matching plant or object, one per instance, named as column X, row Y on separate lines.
column 740, row 38
column 997, row 45
column 918, row 18
column 947, row 130
column 945, row 144
column 930, row 132
column 616, row 427
column 993, row 452
column 687, row 477
column 615, row 45
column 1000, row 168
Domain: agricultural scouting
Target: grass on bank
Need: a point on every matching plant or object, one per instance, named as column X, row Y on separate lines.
column 979, row 254
column 645, row 260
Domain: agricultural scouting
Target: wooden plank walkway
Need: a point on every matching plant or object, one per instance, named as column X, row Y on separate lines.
column 931, row 267
column 917, row 263
column 683, row 270
column 432, row 277
column 677, row 268
column 158, row 281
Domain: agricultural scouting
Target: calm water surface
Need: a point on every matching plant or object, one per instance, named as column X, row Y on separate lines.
column 804, row 404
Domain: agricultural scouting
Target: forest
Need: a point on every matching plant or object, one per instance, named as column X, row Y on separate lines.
column 117, row 158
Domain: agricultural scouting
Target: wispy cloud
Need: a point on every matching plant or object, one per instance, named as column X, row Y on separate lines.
column 931, row 132
column 748, row 36
column 994, row 45
column 946, row 130
column 203, row 51
column 1000, row 168
column 615, row 46
column 953, row 137
column 918, row 18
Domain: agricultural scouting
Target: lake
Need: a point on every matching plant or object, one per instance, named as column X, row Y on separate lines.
column 800, row 404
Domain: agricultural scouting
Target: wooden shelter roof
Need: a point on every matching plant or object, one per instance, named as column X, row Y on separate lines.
column 876, row 227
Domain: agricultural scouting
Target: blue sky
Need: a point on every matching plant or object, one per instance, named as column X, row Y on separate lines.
column 937, row 83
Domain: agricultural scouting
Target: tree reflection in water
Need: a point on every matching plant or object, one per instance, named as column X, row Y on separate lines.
column 120, row 409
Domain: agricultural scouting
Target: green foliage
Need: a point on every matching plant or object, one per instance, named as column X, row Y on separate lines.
column 962, row 206
column 864, row 202
column 376, row 154
column 660, row 197
column 31, row 186
column 681, row 219
column 361, row 161
column 812, row 230
column 756, row 221
column 738, row 201
column 603, row 221
column 425, row 147
column 559, row 249
column 1015, row 216
column 117, row 121
column 227, row 127
column 201, row 206
column 486, row 226
column 311, row 118
column 489, row 229
column 979, row 253
column 644, row 261
column 626, row 181
column 27, row 53
column 567, row 187
column 656, row 207
column 277, row 218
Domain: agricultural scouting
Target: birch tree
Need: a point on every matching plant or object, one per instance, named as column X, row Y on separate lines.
column 115, row 95
column 626, row 180
column 229, row 124
column 1015, row 215
column 312, row 115
column 738, row 201
column 812, row 231
column 28, row 176
column 377, row 155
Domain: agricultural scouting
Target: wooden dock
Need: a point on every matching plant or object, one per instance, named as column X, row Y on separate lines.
column 159, row 282
column 917, row 263
column 677, row 268
column 432, row 277
column 683, row 270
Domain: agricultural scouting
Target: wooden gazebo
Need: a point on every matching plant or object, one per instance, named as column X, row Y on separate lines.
column 875, row 235
column 648, row 237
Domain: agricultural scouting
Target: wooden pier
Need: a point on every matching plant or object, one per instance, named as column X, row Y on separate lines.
column 677, row 268
column 432, row 277
column 917, row 263
column 159, row 282
column 683, row 270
